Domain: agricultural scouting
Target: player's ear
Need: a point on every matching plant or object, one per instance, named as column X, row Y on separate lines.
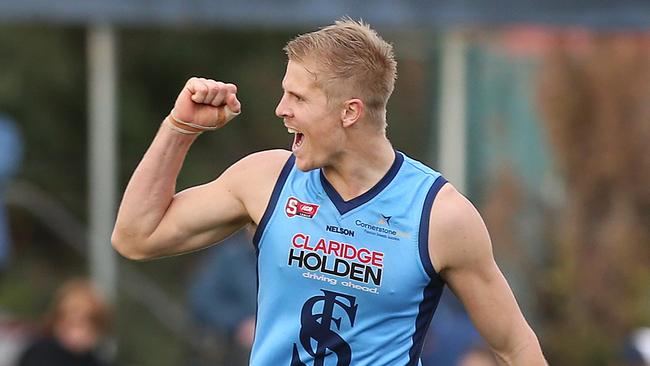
column 352, row 111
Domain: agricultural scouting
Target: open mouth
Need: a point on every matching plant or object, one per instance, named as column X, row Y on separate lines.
column 298, row 138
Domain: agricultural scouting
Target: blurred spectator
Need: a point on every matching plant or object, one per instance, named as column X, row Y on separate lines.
column 450, row 335
column 77, row 322
column 222, row 299
column 477, row 357
column 10, row 156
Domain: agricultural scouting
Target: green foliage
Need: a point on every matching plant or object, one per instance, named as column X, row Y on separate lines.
column 154, row 68
column 42, row 86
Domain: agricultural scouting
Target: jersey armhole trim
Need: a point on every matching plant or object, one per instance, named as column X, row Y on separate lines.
column 423, row 239
column 279, row 184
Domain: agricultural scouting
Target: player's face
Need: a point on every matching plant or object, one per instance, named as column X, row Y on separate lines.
column 315, row 124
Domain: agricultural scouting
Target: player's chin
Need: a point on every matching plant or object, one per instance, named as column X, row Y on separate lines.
column 304, row 164
column 306, row 161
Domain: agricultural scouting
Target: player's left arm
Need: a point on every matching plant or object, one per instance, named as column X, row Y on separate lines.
column 460, row 249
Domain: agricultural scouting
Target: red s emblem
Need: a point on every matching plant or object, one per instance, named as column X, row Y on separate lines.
column 295, row 207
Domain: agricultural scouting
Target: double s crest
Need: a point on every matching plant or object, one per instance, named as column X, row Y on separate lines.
column 319, row 326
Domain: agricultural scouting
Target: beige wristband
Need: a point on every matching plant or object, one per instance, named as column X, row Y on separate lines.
column 224, row 114
column 168, row 122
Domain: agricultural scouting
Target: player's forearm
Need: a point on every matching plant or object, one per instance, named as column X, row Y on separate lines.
column 527, row 353
column 149, row 192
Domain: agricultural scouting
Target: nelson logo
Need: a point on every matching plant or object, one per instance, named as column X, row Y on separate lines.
column 295, row 207
column 316, row 335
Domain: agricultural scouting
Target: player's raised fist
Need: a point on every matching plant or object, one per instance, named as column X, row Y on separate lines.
column 206, row 103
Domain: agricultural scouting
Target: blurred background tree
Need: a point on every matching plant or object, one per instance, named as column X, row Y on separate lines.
column 595, row 100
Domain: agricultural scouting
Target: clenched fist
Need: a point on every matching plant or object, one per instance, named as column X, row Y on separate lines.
column 206, row 103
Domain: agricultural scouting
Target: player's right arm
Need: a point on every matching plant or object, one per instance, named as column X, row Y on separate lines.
column 153, row 221
column 461, row 251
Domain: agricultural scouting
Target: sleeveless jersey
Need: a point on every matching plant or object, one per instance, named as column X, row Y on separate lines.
column 346, row 282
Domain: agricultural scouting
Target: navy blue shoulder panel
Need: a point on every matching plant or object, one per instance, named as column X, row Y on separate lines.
column 346, row 206
column 433, row 291
column 423, row 239
column 427, row 308
column 273, row 200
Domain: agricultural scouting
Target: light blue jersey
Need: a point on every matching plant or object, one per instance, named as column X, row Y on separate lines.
column 346, row 282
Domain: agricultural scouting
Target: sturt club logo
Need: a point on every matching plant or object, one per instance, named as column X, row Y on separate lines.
column 318, row 327
column 295, row 207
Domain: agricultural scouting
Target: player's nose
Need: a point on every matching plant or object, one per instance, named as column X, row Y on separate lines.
column 282, row 110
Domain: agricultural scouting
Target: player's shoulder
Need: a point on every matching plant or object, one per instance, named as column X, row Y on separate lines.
column 262, row 162
column 456, row 229
column 258, row 169
column 451, row 208
column 252, row 179
column 278, row 156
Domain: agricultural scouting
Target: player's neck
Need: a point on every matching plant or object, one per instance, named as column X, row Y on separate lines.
column 359, row 169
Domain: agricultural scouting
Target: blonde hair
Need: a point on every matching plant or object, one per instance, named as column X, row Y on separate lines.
column 80, row 288
column 351, row 54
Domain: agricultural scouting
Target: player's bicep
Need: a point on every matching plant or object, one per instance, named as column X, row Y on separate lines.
column 201, row 215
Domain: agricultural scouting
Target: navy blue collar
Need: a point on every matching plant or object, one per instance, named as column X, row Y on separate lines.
column 346, row 206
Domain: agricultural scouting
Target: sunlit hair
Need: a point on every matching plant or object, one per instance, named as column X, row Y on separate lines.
column 79, row 289
column 352, row 61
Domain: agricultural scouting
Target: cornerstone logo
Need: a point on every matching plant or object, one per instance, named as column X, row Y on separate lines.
column 383, row 228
